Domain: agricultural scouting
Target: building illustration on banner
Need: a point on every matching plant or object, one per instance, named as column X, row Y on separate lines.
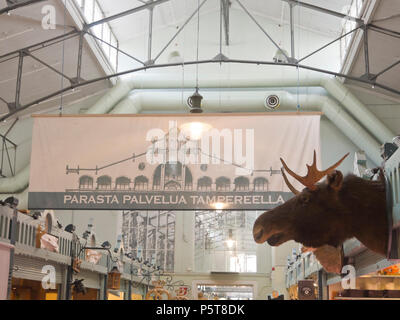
column 207, row 182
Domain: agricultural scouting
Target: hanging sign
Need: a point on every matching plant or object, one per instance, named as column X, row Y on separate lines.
column 168, row 162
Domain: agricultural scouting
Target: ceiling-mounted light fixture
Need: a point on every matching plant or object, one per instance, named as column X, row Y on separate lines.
column 194, row 102
column 281, row 56
column 219, row 206
column 194, row 130
column 175, row 57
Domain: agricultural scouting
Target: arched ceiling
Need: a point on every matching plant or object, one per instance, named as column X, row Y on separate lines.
column 23, row 27
column 383, row 48
column 174, row 12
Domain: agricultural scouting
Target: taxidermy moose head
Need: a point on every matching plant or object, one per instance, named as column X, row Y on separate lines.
column 324, row 215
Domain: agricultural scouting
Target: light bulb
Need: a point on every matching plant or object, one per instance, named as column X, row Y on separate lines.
column 219, row 206
column 194, row 130
column 230, row 243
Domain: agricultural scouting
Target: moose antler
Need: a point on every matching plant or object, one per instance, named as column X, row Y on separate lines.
column 293, row 189
column 313, row 174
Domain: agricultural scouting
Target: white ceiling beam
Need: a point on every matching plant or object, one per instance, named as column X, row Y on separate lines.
column 357, row 41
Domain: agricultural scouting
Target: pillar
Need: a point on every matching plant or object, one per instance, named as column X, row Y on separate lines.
column 279, row 261
column 263, row 252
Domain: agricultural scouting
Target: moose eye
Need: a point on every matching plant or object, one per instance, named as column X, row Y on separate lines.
column 304, row 198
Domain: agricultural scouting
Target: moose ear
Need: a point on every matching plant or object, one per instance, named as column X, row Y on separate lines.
column 335, row 180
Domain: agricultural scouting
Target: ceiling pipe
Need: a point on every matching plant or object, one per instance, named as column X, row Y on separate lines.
column 111, row 98
column 369, row 120
column 253, row 101
column 285, row 78
column 17, row 183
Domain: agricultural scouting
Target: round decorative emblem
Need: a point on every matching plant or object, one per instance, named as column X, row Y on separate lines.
column 203, row 167
column 272, row 102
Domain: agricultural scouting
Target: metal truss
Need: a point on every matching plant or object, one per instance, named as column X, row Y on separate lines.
column 7, row 144
column 18, row 4
column 291, row 61
column 225, row 4
column 323, row 10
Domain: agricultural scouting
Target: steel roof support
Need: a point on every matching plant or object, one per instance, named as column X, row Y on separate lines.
column 386, row 31
column 77, row 82
column 19, row 79
column 220, row 26
column 8, row 159
column 179, row 31
column 8, row 131
column 291, row 6
column 367, row 74
column 328, row 44
column 114, row 47
column 324, row 10
column 125, row 13
column 48, row 66
column 225, row 14
column 19, row 5
column 385, row 70
column 40, row 45
column 1, row 99
column 150, row 39
column 4, row 149
column 263, row 30
column 165, row 65
column 79, row 63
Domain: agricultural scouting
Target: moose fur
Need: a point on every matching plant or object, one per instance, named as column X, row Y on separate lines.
column 331, row 258
column 336, row 210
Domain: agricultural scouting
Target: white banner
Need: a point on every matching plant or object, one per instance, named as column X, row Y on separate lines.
column 168, row 162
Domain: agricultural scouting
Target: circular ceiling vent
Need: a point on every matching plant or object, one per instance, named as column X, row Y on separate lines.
column 272, row 102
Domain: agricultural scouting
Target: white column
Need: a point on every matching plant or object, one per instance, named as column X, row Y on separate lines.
column 264, row 264
column 184, row 241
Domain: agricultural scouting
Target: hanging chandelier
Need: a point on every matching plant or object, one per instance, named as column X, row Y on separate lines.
column 194, row 102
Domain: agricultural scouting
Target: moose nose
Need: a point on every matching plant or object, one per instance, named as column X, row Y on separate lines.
column 258, row 232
